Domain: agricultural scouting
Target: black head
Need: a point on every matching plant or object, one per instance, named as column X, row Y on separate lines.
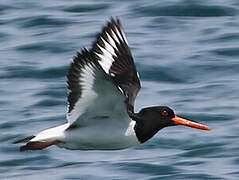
column 150, row 120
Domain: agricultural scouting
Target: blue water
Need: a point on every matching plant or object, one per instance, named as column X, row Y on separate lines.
column 187, row 55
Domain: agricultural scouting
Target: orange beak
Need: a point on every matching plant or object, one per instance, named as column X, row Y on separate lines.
column 181, row 121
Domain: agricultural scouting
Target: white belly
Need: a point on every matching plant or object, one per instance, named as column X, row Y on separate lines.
column 100, row 137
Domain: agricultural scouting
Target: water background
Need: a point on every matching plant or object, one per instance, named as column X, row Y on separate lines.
column 187, row 55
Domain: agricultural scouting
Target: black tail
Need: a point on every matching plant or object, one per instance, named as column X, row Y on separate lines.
column 24, row 140
column 38, row 145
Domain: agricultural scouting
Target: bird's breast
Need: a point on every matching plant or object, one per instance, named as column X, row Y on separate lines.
column 106, row 136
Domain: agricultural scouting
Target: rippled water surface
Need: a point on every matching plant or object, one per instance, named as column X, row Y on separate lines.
column 187, row 55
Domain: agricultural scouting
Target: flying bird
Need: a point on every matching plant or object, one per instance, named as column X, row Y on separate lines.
column 103, row 83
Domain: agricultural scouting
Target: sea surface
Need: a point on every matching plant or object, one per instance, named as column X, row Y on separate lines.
column 187, row 55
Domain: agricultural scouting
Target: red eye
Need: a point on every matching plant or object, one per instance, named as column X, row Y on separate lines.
column 165, row 113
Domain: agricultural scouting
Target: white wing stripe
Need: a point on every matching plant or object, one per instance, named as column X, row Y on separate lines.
column 120, row 36
column 107, row 54
column 88, row 95
column 115, row 37
column 108, row 47
column 105, row 62
column 111, row 41
column 125, row 39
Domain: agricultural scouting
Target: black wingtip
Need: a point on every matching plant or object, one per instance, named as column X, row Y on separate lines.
column 114, row 19
column 110, row 25
column 24, row 140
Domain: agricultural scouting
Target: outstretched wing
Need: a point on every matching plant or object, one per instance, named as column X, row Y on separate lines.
column 104, row 80
column 114, row 55
column 92, row 95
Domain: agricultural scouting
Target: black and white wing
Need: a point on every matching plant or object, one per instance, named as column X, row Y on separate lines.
column 92, row 95
column 115, row 57
column 104, row 80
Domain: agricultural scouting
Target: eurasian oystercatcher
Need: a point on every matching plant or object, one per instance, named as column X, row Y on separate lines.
column 103, row 83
